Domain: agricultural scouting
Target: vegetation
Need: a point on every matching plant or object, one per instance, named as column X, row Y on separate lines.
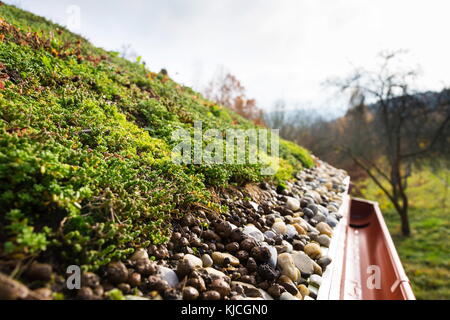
column 85, row 148
column 425, row 254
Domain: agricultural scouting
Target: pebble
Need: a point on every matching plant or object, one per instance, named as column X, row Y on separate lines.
column 287, row 296
column 211, row 295
column 252, row 232
column 324, row 261
column 280, row 227
column 222, row 258
column 190, row 293
column 11, row 289
column 117, row 272
column 324, row 228
column 315, row 280
column 39, row 271
column 207, row 260
column 303, row 262
column 287, row 266
column 324, row 240
column 168, row 275
column 313, row 250
column 139, row 254
column 193, row 260
column 293, row 204
column 221, row 286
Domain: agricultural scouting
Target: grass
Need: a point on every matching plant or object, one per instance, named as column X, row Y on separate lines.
column 425, row 255
column 86, row 174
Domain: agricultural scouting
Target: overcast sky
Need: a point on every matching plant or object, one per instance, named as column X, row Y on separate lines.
column 279, row 49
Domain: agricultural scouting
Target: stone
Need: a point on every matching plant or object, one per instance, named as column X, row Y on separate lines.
column 287, row 266
column 324, row 261
column 287, row 296
column 324, row 240
column 249, row 289
column 168, row 275
column 194, row 261
column 299, row 229
column 214, row 274
column 90, row 279
column 39, row 271
column 313, row 250
column 293, row 204
column 221, row 286
column 267, row 272
column 303, row 262
column 207, row 260
column 145, row 267
column 136, row 298
column 232, row 247
column 117, row 272
column 331, row 221
column 223, row 258
column 134, row 279
column 190, row 293
column 315, row 280
column 317, row 268
column 265, row 295
column 291, row 232
column 139, row 254
column 324, row 228
column 273, row 254
column 11, row 289
column 280, row 227
column 303, row 290
column 211, row 295
column 252, row 232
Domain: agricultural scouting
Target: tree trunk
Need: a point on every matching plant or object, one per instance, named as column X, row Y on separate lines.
column 406, row 231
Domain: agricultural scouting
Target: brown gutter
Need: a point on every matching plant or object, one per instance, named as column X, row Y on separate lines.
column 365, row 264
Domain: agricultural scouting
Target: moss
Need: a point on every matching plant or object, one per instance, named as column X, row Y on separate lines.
column 85, row 148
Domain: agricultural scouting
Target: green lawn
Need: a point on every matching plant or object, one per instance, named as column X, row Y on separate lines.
column 425, row 255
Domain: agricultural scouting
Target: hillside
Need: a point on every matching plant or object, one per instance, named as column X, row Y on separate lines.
column 424, row 255
column 86, row 171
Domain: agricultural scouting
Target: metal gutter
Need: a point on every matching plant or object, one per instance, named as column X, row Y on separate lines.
column 365, row 263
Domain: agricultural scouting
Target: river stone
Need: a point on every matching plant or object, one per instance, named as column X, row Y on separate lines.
column 252, row 232
column 139, row 254
column 287, row 296
column 249, row 289
column 168, row 275
column 331, row 221
column 11, row 289
column 287, row 266
column 219, row 258
column 193, row 260
column 315, row 280
column 292, row 204
column 273, row 254
column 214, row 273
column 320, row 217
column 207, row 260
column 279, row 227
column 304, row 263
column 324, row 228
column 313, row 250
column 291, row 232
column 288, row 247
column 299, row 228
column 324, row 240
column 130, row 297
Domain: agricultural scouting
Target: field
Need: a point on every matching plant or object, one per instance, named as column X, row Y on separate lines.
column 425, row 255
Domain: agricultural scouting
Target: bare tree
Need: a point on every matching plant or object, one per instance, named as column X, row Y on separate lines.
column 397, row 129
column 226, row 90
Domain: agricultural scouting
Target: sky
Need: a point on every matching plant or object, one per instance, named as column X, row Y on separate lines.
column 279, row 49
